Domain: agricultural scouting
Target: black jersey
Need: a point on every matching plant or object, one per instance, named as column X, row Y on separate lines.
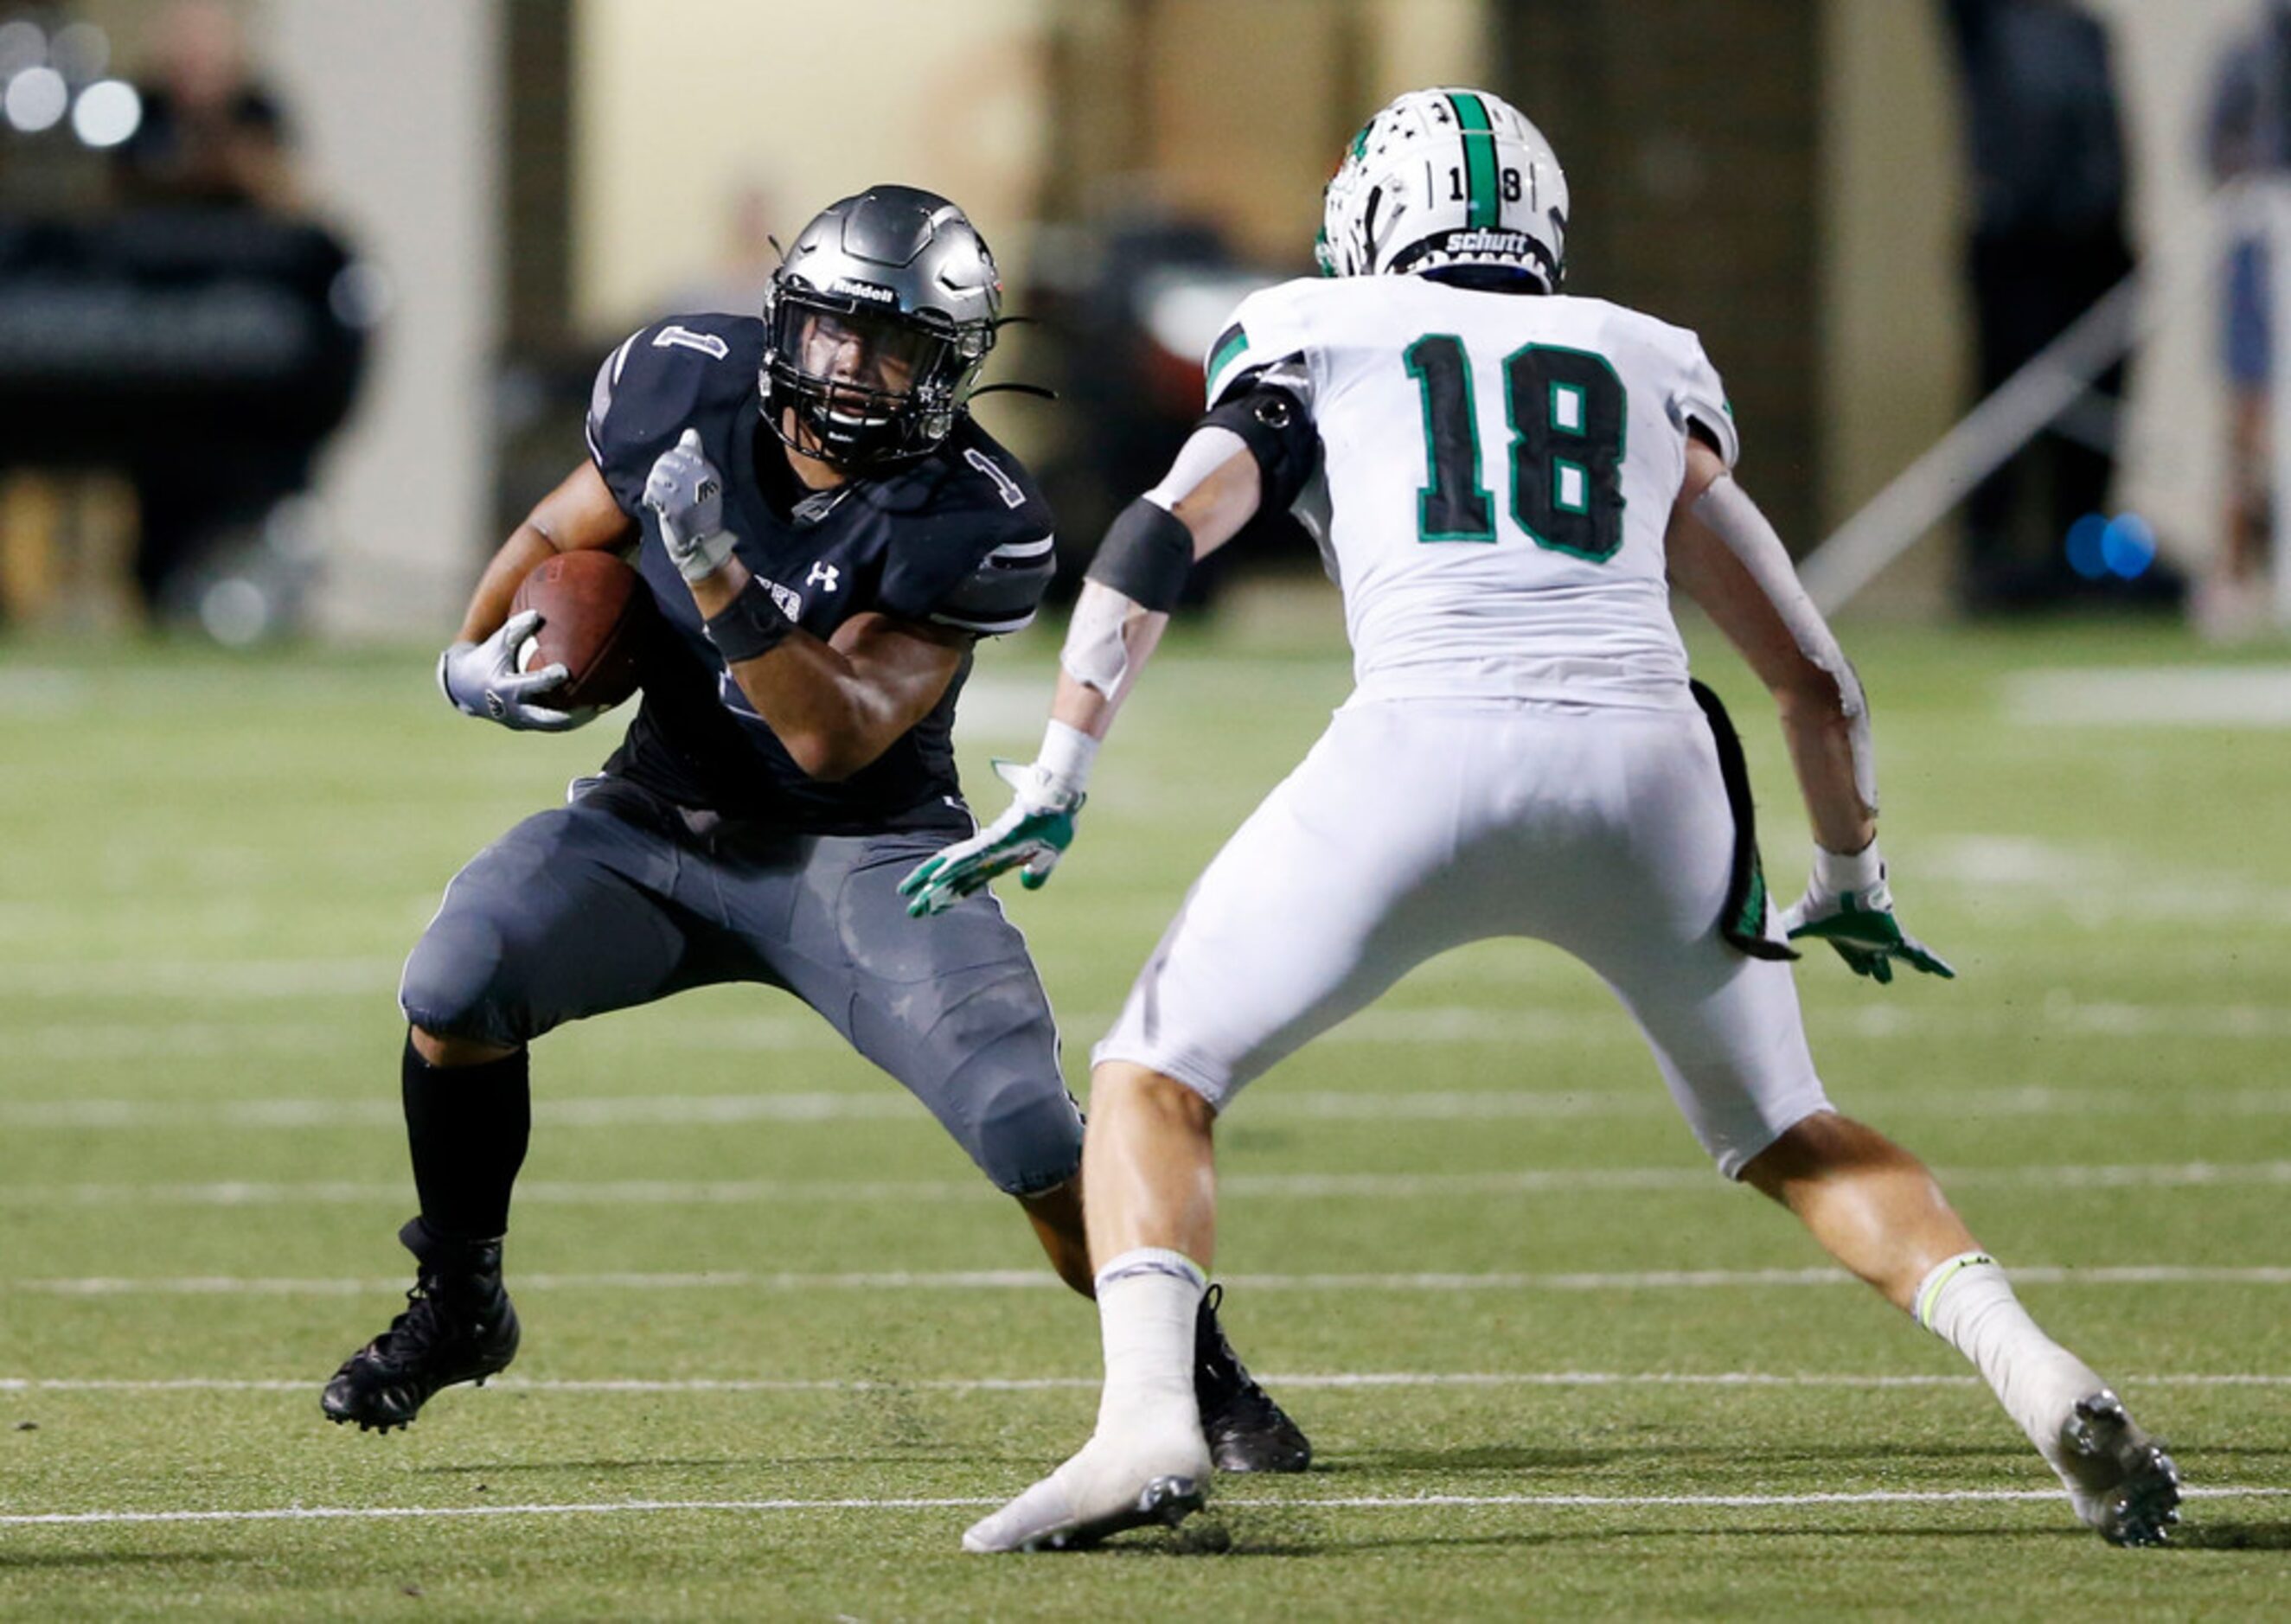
column 960, row 537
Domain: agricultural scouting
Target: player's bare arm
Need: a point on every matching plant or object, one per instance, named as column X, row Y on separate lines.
column 578, row 516
column 1818, row 715
column 838, row 703
column 1213, row 488
column 479, row 674
column 1725, row 555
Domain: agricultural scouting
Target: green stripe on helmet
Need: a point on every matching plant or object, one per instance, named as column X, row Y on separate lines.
column 1482, row 199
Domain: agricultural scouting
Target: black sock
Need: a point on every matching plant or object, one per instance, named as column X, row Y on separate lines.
column 467, row 1126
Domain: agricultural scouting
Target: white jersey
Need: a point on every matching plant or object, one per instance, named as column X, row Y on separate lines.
column 1497, row 471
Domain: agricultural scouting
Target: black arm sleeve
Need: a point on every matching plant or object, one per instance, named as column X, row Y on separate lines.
column 1279, row 433
column 1145, row 556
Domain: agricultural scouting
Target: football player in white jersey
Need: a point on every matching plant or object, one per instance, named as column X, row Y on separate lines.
column 1505, row 481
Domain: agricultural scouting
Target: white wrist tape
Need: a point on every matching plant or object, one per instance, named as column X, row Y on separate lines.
column 1727, row 512
column 1065, row 758
column 1096, row 651
column 1861, row 871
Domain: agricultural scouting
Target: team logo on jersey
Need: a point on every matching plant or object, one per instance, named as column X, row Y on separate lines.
column 791, row 602
column 823, row 575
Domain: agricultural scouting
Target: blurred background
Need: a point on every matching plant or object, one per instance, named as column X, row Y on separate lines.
column 299, row 299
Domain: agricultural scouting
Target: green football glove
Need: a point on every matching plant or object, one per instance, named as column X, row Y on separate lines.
column 1848, row 904
column 1031, row 836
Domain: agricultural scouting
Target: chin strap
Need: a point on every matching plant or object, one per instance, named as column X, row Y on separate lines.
column 1727, row 512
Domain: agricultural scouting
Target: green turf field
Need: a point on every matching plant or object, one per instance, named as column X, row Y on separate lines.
column 781, row 1343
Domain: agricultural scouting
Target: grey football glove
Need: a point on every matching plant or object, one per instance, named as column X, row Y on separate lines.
column 687, row 495
column 1848, row 904
column 482, row 680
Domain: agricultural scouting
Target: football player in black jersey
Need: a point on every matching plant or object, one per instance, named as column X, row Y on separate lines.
column 827, row 533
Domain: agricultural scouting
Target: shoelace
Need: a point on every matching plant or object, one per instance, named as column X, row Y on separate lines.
column 1214, row 1358
column 414, row 1333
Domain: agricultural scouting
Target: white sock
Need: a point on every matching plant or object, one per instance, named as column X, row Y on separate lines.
column 1969, row 1304
column 1148, row 1300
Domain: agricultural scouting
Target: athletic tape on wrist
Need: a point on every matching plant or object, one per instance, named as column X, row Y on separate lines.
column 750, row 626
column 1066, row 757
column 1839, row 873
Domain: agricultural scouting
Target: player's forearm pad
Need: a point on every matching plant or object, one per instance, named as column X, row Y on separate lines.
column 1279, row 434
column 750, row 626
column 1145, row 556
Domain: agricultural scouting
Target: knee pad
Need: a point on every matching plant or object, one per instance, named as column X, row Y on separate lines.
column 454, row 985
column 1005, row 1098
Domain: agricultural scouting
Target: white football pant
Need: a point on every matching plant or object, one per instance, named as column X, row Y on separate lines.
column 1417, row 826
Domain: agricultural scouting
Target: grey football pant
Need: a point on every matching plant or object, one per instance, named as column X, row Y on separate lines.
column 620, row 898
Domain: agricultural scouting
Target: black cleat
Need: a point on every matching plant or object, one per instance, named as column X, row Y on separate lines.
column 1247, row 1431
column 458, row 1326
column 2123, row 1485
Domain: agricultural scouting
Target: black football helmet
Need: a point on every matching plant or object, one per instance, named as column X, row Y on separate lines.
column 877, row 323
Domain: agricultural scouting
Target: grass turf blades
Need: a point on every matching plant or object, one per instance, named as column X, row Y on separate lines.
column 216, row 867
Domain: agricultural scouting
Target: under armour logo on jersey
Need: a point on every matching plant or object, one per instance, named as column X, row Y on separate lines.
column 823, row 575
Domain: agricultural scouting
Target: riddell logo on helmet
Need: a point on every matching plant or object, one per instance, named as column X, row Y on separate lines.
column 874, row 293
column 1489, row 242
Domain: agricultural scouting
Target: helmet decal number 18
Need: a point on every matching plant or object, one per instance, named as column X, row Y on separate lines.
column 1568, row 418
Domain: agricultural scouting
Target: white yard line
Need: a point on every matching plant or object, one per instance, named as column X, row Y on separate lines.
column 2176, row 697
column 258, row 978
column 995, row 1280
column 1625, row 1097
column 782, row 1027
column 2095, row 885
column 1256, row 1186
column 1294, row 1502
column 1363, row 1379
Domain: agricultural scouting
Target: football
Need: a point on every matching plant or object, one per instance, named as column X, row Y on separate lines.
column 595, row 616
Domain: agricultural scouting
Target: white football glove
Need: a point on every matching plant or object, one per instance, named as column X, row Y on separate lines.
column 485, row 679
column 687, row 495
column 1848, row 904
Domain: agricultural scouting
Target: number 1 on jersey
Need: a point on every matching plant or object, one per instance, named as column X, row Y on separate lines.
column 1568, row 417
column 1455, row 507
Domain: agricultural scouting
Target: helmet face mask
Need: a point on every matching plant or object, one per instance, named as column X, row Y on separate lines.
column 876, row 324
column 1452, row 184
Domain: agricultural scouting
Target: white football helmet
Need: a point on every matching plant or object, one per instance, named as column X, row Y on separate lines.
column 1445, row 179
